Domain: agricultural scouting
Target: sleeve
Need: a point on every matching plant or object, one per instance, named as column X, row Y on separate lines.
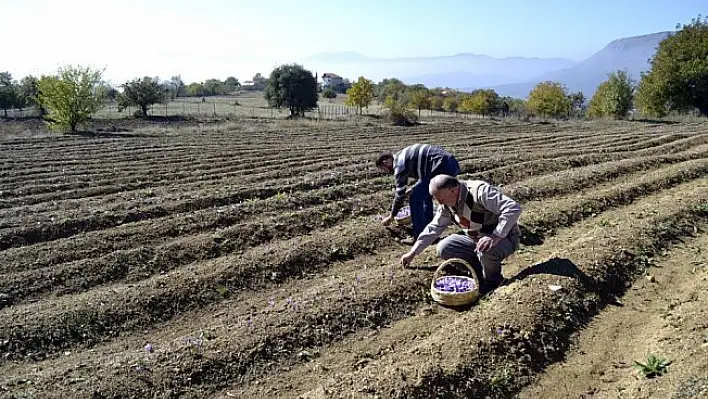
column 401, row 180
column 440, row 221
column 509, row 211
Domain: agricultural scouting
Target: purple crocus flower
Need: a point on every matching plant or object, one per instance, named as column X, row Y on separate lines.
column 404, row 212
column 454, row 284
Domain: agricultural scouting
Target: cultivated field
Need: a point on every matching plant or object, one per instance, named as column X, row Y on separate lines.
column 245, row 259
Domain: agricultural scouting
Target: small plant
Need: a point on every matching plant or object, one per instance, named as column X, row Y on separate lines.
column 500, row 381
column 329, row 93
column 397, row 113
column 654, row 366
column 223, row 291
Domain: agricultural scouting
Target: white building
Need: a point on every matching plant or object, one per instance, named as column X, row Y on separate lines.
column 331, row 79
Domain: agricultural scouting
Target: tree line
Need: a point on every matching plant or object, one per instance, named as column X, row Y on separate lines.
column 677, row 81
column 22, row 94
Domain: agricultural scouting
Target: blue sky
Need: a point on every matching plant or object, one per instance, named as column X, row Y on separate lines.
column 218, row 38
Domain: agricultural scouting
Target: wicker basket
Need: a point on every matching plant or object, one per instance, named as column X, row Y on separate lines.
column 455, row 298
column 404, row 220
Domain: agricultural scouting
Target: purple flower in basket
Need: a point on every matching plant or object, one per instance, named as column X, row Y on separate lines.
column 404, row 212
column 454, row 284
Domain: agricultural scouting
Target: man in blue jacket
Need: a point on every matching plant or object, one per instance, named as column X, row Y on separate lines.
column 421, row 162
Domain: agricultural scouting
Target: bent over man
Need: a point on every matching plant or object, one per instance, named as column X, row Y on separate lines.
column 421, row 162
column 489, row 220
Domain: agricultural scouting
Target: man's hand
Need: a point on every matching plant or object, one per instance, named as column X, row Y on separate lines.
column 486, row 243
column 407, row 258
column 387, row 220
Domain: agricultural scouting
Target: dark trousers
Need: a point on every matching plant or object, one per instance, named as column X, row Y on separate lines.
column 421, row 202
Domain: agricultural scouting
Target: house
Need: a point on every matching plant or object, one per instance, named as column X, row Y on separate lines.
column 331, row 80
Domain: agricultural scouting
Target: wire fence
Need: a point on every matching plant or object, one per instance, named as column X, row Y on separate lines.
column 218, row 109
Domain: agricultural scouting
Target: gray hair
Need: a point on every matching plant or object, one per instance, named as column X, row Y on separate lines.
column 440, row 182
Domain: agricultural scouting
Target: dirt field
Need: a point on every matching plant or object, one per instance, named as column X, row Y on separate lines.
column 245, row 259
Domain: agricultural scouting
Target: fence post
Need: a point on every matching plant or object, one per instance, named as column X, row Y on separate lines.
column 214, row 108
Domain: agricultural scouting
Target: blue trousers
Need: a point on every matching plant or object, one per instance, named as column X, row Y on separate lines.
column 421, row 202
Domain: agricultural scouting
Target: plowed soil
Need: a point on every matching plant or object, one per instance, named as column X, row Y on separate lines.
column 245, row 259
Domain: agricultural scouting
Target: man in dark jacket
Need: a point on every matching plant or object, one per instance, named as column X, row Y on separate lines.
column 421, row 162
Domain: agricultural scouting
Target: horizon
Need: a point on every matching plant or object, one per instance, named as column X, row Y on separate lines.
column 211, row 39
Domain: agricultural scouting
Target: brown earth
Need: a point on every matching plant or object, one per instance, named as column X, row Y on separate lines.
column 663, row 314
column 248, row 255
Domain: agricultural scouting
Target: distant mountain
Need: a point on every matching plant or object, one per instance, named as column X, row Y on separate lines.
column 512, row 76
column 631, row 53
column 457, row 70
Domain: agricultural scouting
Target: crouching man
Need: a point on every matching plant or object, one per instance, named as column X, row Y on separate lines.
column 488, row 219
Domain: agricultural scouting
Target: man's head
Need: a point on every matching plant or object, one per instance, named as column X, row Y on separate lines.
column 445, row 189
column 385, row 162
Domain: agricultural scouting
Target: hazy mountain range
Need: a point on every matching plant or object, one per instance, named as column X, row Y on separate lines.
column 513, row 76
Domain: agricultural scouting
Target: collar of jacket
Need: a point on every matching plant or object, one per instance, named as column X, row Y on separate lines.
column 461, row 196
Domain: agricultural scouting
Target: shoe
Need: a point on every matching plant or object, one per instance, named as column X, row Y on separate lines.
column 408, row 241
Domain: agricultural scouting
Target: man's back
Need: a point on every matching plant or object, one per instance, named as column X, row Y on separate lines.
column 418, row 161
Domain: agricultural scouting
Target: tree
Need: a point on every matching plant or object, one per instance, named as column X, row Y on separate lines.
column 397, row 112
column 577, row 100
column 651, row 99
column 436, row 102
column 450, row 104
column 549, row 99
column 360, row 94
column 27, row 92
column 678, row 77
column 215, row 87
column 596, row 105
column 482, row 102
column 8, row 92
column 195, row 90
column 232, row 83
column 420, row 99
column 329, row 93
column 69, row 97
column 142, row 93
column 613, row 97
column 258, row 78
column 390, row 88
column 177, row 87
column 106, row 91
column 291, row 86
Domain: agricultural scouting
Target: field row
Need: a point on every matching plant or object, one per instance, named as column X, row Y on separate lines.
column 46, row 223
column 311, row 313
column 203, row 160
column 264, row 283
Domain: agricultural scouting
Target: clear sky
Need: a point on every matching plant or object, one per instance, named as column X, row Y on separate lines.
column 219, row 38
